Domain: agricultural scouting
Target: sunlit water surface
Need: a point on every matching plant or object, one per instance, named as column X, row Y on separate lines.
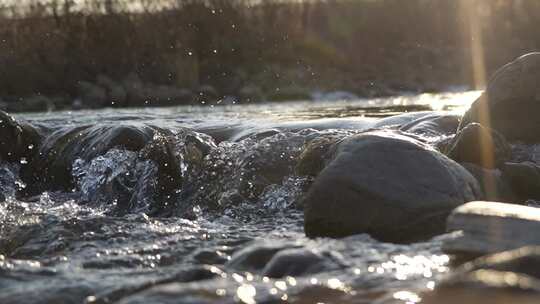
column 58, row 250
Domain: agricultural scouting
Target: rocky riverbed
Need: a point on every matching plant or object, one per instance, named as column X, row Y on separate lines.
column 366, row 201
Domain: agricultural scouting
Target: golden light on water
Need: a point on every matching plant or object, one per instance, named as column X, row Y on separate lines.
column 246, row 293
column 407, row 296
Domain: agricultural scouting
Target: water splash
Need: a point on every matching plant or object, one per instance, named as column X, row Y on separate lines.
column 78, row 246
column 118, row 177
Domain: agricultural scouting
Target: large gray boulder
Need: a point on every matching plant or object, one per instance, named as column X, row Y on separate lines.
column 511, row 102
column 388, row 185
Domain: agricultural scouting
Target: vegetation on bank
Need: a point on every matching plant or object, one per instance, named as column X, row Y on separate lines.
column 135, row 53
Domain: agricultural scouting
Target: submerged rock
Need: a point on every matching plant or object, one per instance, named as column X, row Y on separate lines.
column 255, row 257
column 479, row 145
column 508, row 277
column 300, row 262
column 281, row 260
column 388, row 185
column 488, row 227
column 401, row 120
column 433, row 125
column 511, row 102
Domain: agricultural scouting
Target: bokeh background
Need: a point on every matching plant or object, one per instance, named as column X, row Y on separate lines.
column 66, row 53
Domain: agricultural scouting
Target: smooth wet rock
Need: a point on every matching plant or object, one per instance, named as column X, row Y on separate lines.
column 507, row 277
column 433, row 125
column 268, row 163
column 489, row 227
column 524, row 260
column 300, row 262
column 255, row 134
column 524, row 178
column 316, row 155
column 511, row 102
column 479, row 145
column 388, row 185
column 401, row 120
column 255, row 257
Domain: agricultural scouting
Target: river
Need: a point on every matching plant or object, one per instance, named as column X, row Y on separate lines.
column 68, row 247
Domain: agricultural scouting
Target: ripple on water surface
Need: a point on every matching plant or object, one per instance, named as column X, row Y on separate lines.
column 65, row 248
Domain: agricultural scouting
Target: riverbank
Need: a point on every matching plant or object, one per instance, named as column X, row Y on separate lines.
column 58, row 56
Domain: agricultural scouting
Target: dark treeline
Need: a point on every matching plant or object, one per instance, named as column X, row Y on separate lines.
column 67, row 49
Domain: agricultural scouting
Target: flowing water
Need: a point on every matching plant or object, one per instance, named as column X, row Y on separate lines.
column 73, row 247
